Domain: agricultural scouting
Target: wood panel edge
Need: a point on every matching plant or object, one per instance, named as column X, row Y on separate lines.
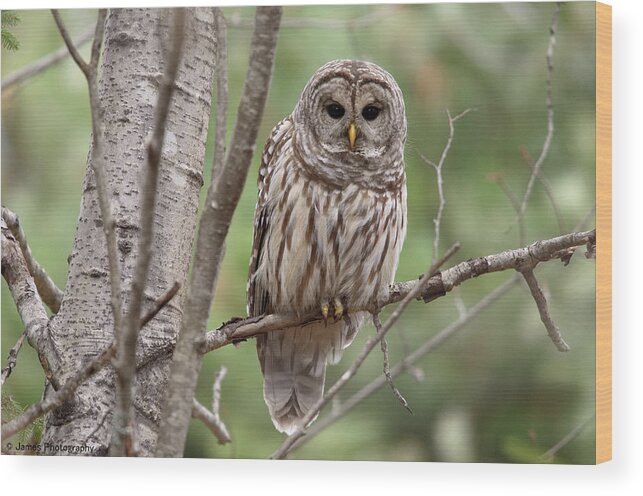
column 603, row 232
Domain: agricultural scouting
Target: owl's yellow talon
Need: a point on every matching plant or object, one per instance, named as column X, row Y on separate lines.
column 339, row 309
column 324, row 311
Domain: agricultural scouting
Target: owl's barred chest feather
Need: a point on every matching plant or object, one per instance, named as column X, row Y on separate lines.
column 324, row 242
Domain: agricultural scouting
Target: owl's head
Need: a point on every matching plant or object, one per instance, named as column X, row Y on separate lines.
column 351, row 113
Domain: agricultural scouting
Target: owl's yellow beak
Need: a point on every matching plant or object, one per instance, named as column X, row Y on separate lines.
column 352, row 135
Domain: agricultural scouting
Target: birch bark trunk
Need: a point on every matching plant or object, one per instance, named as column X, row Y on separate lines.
column 132, row 64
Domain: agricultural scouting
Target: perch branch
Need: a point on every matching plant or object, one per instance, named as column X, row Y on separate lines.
column 50, row 293
column 125, row 364
column 422, row 351
column 437, row 286
column 221, row 201
column 418, row 286
column 550, row 113
column 211, row 419
column 437, row 221
column 92, row 367
column 44, row 63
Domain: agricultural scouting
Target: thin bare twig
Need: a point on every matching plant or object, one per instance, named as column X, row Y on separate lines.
column 547, row 188
column 386, row 366
column 550, row 112
column 543, row 310
column 213, row 423
column 216, row 389
column 515, row 203
column 92, row 367
column 73, row 50
column 125, row 365
column 12, row 358
column 212, row 419
column 422, row 351
column 437, row 221
column 160, row 302
column 288, row 443
column 582, row 222
column 218, row 157
column 50, row 293
column 548, row 456
column 221, row 201
column 44, row 63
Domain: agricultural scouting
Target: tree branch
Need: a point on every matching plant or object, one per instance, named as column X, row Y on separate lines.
column 211, row 419
column 543, row 310
column 221, row 201
column 92, row 367
column 44, row 63
column 47, row 289
column 550, row 113
column 437, row 221
column 28, row 303
column 549, row 455
column 125, row 365
column 438, row 285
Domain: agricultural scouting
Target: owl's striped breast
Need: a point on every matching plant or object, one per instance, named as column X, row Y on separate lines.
column 324, row 242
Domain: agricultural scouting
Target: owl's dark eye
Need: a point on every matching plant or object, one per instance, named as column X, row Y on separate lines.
column 335, row 110
column 370, row 112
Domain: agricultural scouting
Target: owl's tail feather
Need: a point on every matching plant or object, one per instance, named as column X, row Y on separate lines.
column 293, row 363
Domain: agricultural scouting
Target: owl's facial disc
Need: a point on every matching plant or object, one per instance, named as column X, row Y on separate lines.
column 350, row 119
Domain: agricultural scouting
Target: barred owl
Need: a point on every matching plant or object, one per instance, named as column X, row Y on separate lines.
column 329, row 225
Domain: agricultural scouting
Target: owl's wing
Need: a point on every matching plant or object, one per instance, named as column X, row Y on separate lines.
column 258, row 296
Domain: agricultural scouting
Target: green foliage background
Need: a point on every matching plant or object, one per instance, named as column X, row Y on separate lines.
column 498, row 391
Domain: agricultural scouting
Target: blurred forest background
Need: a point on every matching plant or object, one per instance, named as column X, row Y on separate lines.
column 498, row 391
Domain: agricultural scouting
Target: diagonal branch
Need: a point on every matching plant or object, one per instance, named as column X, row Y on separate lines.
column 352, row 370
column 221, row 201
column 125, row 365
column 50, row 293
column 403, row 365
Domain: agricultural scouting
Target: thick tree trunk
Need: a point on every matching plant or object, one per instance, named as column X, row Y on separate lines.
column 135, row 44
